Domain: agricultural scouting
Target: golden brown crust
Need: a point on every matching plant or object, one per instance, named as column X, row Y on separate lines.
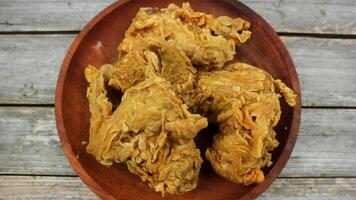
column 175, row 35
column 244, row 103
column 172, row 60
column 151, row 130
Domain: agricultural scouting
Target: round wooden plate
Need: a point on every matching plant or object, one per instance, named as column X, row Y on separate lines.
column 97, row 44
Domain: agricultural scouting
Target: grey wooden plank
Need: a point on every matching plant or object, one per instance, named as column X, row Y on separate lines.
column 32, row 187
column 29, row 143
column 30, row 64
column 311, row 189
column 317, row 16
column 43, row 188
column 321, row 16
column 29, row 67
column 326, row 70
column 326, row 146
column 48, row 15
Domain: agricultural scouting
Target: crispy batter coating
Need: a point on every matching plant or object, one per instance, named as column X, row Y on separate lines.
column 179, row 38
column 151, row 130
column 243, row 101
column 170, row 60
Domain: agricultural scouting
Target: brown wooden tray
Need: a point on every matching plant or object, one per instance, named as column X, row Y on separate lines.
column 97, row 44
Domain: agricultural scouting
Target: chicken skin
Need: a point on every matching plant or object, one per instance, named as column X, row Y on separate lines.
column 244, row 101
column 173, row 74
column 151, row 131
column 173, row 40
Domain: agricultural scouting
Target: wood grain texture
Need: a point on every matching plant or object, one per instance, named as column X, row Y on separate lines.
column 326, row 68
column 70, row 188
column 304, row 16
column 311, row 189
column 29, row 143
column 50, row 15
column 43, row 188
column 321, row 16
column 29, row 67
column 326, row 145
column 42, row 55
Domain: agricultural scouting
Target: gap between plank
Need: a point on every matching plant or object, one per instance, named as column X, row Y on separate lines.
column 287, row 34
column 282, row 177
column 318, row 35
column 329, row 107
column 40, row 175
column 27, row 105
column 66, row 32
column 52, row 105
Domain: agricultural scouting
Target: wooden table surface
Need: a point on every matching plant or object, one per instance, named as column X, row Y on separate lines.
column 35, row 34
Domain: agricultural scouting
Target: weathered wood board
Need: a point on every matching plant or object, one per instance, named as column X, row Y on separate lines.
column 304, row 16
column 326, row 145
column 329, row 81
column 70, row 188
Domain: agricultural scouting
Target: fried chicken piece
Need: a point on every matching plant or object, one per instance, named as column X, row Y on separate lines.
column 246, row 138
column 247, row 107
column 151, row 130
column 235, row 29
column 132, row 66
column 204, row 39
column 99, row 105
column 175, row 35
column 175, row 66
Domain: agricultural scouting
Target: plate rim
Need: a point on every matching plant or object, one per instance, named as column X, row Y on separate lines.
column 99, row 190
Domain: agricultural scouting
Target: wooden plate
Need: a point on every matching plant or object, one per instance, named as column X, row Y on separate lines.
column 97, row 44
